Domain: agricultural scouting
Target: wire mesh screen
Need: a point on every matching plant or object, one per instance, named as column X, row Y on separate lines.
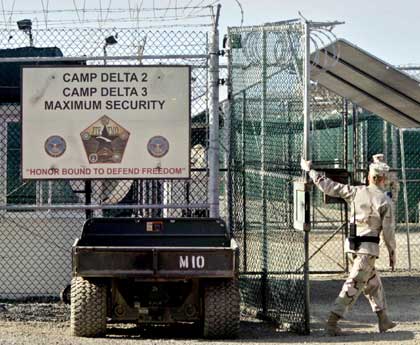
column 35, row 242
column 328, row 149
column 356, row 136
column 400, row 148
column 344, row 137
column 408, row 207
column 266, row 144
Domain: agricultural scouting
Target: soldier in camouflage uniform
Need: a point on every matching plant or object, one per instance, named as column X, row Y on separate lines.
column 372, row 212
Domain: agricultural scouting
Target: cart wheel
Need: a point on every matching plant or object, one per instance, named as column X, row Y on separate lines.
column 88, row 308
column 221, row 309
column 65, row 295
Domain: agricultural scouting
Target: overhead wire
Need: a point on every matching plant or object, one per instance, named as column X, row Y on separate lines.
column 127, row 19
column 77, row 11
column 169, row 4
column 209, row 6
column 3, row 11
column 100, row 14
column 242, row 11
column 105, row 14
column 188, row 4
column 112, row 10
column 129, row 8
column 108, row 9
column 45, row 11
column 84, row 10
column 11, row 12
column 200, row 6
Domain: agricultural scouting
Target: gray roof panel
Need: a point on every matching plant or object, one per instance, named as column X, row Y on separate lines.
column 369, row 82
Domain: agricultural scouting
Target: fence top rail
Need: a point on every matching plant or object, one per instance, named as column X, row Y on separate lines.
column 102, row 58
column 99, row 207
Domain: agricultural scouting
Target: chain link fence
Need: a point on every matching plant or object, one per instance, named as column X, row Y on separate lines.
column 263, row 127
column 404, row 145
column 347, row 143
column 35, row 242
column 266, row 146
column 344, row 138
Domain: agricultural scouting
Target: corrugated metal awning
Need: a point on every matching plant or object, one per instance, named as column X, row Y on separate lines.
column 368, row 82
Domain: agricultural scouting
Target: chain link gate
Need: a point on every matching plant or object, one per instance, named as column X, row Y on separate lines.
column 265, row 66
column 41, row 219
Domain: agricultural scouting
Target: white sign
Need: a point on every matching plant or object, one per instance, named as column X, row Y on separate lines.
column 106, row 122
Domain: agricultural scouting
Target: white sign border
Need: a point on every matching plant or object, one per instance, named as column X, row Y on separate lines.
column 22, row 67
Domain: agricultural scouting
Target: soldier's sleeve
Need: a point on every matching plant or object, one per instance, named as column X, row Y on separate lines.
column 331, row 187
column 388, row 227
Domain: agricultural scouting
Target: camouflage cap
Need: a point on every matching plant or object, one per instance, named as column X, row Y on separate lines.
column 379, row 157
column 378, row 169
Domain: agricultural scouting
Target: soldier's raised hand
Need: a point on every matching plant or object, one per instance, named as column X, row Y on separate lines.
column 305, row 165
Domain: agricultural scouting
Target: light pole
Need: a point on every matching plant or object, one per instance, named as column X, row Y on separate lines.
column 25, row 25
column 109, row 41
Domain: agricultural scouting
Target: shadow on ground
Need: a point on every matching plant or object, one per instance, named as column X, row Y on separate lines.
column 402, row 292
column 254, row 331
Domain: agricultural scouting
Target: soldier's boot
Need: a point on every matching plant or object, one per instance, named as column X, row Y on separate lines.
column 331, row 326
column 384, row 322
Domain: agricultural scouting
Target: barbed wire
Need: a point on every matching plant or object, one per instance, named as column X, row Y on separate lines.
column 192, row 12
column 119, row 9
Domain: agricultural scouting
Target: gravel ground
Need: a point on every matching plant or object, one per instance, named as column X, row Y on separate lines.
column 47, row 323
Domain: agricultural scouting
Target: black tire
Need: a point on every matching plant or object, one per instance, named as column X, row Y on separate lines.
column 221, row 309
column 65, row 295
column 88, row 308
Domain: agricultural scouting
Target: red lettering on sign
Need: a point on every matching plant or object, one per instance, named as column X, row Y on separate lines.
column 102, row 171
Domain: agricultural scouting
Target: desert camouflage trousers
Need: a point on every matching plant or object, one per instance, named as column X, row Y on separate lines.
column 363, row 277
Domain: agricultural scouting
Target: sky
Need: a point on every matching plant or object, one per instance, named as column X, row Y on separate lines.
column 388, row 29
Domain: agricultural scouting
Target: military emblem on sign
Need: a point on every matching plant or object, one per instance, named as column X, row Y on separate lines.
column 158, row 146
column 105, row 141
column 55, row 146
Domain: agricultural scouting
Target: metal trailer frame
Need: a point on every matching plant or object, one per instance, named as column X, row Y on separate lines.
column 155, row 270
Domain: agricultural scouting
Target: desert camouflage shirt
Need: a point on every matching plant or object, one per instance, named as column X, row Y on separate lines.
column 371, row 209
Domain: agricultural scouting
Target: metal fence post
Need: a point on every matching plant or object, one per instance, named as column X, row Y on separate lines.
column 394, row 149
column 306, row 155
column 243, row 167
column 346, row 166
column 228, row 161
column 88, row 198
column 355, row 143
column 3, row 166
column 385, row 140
column 214, row 118
column 264, row 277
column 228, row 110
column 404, row 177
